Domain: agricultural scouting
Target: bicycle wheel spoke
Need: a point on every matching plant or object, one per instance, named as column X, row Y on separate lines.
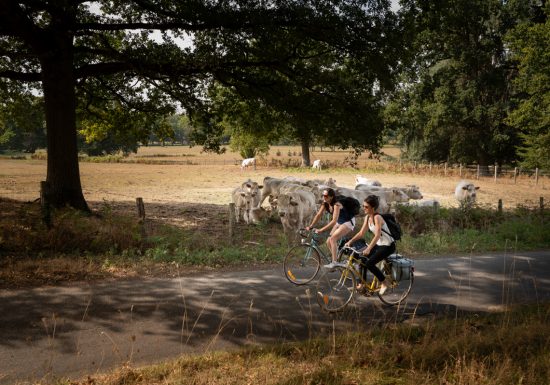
column 301, row 264
column 335, row 289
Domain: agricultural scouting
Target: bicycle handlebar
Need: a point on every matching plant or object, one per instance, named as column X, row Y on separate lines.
column 351, row 250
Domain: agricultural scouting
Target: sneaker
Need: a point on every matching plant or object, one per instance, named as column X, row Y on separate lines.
column 333, row 264
column 383, row 288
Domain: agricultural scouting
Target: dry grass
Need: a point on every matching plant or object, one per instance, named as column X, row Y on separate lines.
column 496, row 349
column 172, row 184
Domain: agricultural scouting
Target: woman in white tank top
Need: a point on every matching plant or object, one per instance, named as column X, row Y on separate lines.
column 380, row 246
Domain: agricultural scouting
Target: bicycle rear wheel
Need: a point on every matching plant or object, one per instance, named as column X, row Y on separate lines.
column 301, row 264
column 335, row 289
column 397, row 290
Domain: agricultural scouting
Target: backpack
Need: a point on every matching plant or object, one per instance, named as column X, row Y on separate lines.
column 351, row 205
column 393, row 226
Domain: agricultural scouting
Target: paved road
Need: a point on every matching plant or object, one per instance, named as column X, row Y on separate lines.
column 81, row 329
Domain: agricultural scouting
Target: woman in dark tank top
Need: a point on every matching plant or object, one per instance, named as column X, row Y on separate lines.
column 342, row 222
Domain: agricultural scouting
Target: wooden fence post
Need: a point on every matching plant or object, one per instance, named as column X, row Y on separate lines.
column 477, row 175
column 140, row 209
column 536, row 176
column 430, row 168
column 541, row 204
column 445, row 168
column 460, row 170
column 231, row 220
column 45, row 204
column 515, row 174
column 496, row 170
column 500, row 205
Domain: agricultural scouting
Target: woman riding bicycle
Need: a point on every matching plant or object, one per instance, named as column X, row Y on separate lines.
column 342, row 223
column 381, row 245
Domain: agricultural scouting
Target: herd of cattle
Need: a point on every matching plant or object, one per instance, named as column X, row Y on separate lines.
column 297, row 200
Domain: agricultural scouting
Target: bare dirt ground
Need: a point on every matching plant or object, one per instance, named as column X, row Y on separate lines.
column 188, row 195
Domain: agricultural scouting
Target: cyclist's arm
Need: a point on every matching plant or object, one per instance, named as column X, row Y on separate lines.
column 331, row 224
column 316, row 217
column 360, row 234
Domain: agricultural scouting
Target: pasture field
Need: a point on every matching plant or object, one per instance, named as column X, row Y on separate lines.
column 212, row 178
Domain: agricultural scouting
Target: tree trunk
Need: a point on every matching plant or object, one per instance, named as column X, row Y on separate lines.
column 306, row 161
column 63, row 174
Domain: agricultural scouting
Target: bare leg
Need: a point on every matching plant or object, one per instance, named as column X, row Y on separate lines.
column 335, row 236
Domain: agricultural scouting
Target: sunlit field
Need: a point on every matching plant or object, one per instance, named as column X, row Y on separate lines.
column 211, row 178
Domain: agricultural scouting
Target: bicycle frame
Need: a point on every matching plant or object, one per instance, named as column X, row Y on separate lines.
column 372, row 286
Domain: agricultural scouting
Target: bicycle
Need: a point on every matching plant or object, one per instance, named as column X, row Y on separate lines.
column 336, row 287
column 303, row 261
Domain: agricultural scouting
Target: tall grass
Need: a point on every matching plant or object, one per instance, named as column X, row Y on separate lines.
column 507, row 348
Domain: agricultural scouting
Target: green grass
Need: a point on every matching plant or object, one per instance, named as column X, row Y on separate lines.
column 506, row 348
column 113, row 243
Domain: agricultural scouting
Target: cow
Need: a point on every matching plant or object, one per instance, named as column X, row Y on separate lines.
column 316, row 165
column 359, row 179
column 271, row 188
column 385, row 197
column 296, row 210
column 258, row 214
column 244, row 202
column 252, row 187
column 392, row 194
column 297, row 187
column 425, row 203
column 412, row 191
column 465, row 193
column 248, row 162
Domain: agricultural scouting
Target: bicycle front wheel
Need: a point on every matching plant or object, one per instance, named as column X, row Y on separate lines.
column 301, row 264
column 335, row 289
column 397, row 290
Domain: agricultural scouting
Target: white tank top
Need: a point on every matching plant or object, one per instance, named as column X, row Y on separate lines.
column 385, row 239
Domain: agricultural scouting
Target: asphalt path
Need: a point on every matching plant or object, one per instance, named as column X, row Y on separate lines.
column 82, row 329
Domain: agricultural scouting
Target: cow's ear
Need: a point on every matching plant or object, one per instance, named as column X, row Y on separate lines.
column 248, row 185
column 464, row 187
column 477, row 187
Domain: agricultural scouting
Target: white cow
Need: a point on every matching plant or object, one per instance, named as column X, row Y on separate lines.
column 248, row 162
column 392, row 194
column 316, row 164
column 425, row 203
column 385, row 197
column 271, row 187
column 252, row 187
column 244, row 202
column 258, row 214
column 412, row 191
column 359, row 179
column 296, row 210
column 285, row 188
column 465, row 192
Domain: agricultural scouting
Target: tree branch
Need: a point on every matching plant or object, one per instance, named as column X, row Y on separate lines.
column 21, row 76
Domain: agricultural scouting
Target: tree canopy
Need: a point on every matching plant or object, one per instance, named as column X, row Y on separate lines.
column 454, row 101
column 100, row 56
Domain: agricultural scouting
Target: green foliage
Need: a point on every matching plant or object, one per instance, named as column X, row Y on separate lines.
column 22, row 124
column 529, row 47
column 454, row 100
